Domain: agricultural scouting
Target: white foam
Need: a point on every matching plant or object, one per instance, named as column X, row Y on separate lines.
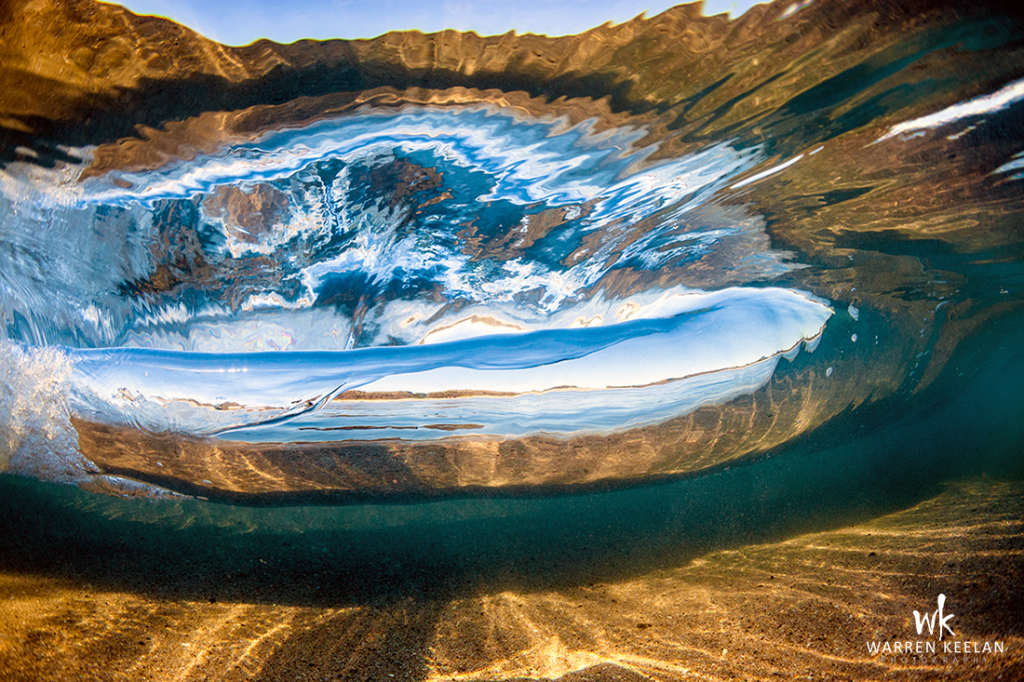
column 986, row 104
column 252, row 331
column 36, row 435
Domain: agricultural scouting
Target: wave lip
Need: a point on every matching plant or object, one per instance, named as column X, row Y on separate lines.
column 737, row 333
column 429, row 418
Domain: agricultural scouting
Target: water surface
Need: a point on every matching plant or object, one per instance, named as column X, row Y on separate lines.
column 395, row 329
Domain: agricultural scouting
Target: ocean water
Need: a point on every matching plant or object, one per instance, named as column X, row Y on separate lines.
column 522, row 312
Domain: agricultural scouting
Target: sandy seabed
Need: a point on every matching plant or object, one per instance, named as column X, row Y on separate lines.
column 802, row 608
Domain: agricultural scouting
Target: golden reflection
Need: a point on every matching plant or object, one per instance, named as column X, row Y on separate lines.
column 808, row 605
column 792, row 402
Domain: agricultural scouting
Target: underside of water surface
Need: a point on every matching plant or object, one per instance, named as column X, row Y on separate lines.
column 687, row 348
column 429, row 265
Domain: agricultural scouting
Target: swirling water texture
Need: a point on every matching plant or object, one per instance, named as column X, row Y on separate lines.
column 430, row 189
column 867, row 154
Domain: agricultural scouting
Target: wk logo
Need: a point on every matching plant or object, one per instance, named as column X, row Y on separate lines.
column 936, row 619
